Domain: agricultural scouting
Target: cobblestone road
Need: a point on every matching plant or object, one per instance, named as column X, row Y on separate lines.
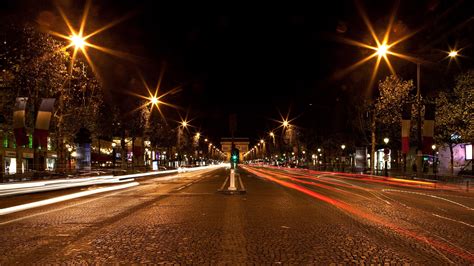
column 186, row 221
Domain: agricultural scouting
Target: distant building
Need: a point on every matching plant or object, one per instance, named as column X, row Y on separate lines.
column 242, row 144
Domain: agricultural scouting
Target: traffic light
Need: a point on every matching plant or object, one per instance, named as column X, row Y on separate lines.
column 234, row 157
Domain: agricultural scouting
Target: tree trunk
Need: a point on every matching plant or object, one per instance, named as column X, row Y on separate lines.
column 61, row 165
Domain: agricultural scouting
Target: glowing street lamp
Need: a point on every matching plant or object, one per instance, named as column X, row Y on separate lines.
column 184, row 123
column 386, row 140
column 154, row 100
column 382, row 50
column 343, row 146
column 435, row 159
column 453, row 53
column 77, row 41
column 262, row 141
column 285, row 123
column 272, row 134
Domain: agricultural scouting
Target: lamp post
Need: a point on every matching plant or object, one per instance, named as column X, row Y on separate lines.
column 419, row 156
column 113, row 154
column 386, row 151
column 435, row 159
column 320, row 159
column 272, row 147
column 343, row 147
column 69, row 158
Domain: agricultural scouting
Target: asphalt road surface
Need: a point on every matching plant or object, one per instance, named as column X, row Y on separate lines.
column 287, row 216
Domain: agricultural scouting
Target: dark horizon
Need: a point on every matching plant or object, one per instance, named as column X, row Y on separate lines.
column 258, row 65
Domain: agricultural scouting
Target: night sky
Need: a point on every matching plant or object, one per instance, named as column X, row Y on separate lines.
column 254, row 61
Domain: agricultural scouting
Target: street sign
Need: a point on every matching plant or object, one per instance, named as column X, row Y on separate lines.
column 385, row 157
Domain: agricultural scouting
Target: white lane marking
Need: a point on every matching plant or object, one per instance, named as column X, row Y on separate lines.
column 40, row 203
column 432, row 196
column 453, row 220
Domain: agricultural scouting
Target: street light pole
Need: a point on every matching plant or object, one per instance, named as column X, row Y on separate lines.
column 435, row 159
column 386, row 152
column 342, row 157
column 419, row 153
column 113, row 154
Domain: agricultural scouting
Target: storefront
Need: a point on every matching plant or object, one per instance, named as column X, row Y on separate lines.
column 10, row 162
column 381, row 158
column 51, row 161
column 27, row 161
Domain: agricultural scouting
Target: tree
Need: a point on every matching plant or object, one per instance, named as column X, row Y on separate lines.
column 394, row 92
column 455, row 114
column 38, row 67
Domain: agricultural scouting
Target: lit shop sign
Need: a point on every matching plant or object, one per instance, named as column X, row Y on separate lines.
column 469, row 152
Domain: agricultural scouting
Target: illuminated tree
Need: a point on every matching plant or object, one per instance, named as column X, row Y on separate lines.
column 455, row 114
column 37, row 67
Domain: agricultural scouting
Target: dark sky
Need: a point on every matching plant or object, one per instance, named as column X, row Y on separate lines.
column 257, row 61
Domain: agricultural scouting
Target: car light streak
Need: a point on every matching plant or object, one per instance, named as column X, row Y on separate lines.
column 285, row 176
column 40, row 203
column 370, row 217
column 49, row 185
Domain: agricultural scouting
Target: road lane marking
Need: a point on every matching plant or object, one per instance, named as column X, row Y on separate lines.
column 225, row 182
column 453, row 220
column 432, row 196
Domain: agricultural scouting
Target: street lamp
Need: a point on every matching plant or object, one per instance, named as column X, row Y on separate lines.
column 113, row 154
column 382, row 50
column 386, row 151
column 342, row 157
column 70, row 150
column 154, row 100
column 77, row 41
column 435, row 159
column 285, row 123
column 419, row 158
